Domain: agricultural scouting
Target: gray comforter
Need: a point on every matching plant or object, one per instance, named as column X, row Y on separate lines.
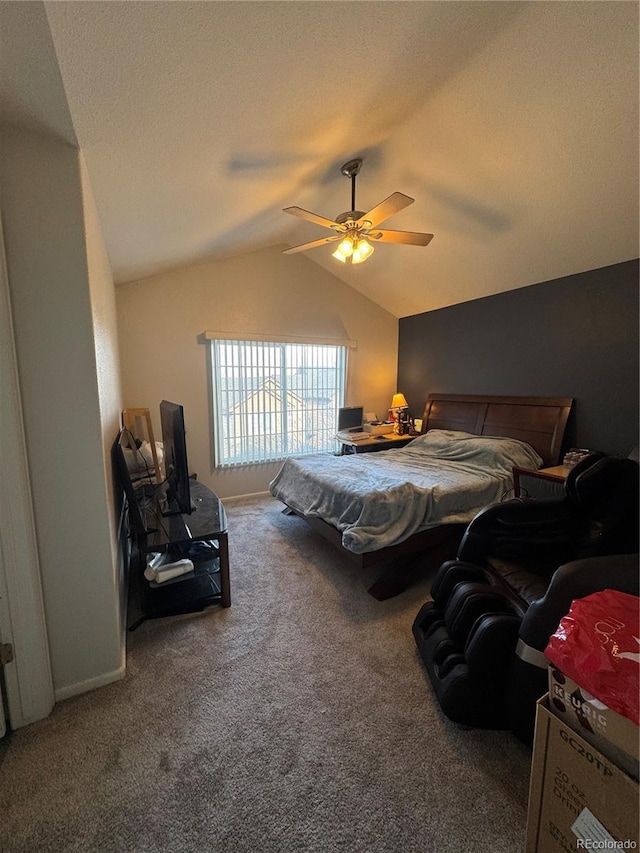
column 380, row 499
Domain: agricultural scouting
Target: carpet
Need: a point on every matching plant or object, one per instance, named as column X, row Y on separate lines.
column 298, row 719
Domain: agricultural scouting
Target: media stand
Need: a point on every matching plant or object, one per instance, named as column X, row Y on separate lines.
column 200, row 536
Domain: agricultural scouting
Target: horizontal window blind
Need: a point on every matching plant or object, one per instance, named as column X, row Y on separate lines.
column 274, row 399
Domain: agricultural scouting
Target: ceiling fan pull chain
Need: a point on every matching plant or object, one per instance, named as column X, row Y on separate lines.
column 353, row 191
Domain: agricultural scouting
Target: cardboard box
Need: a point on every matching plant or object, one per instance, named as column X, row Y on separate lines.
column 378, row 429
column 578, row 798
column 612, row 734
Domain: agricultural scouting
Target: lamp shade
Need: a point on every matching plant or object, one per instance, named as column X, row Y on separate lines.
column 353, row 247
column 399, row 402
column 361, row 252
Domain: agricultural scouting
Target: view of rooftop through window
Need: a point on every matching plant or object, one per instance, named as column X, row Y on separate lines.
column 273, row 400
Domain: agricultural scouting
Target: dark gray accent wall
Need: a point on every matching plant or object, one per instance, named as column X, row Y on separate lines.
column 575, row 336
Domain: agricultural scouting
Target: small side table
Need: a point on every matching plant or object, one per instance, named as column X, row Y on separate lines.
column 554, row 477
column 370, row 445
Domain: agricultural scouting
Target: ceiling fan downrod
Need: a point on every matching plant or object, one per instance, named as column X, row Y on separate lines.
column 350, row 170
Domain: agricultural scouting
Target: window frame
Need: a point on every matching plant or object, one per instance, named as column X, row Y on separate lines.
column 221, row 459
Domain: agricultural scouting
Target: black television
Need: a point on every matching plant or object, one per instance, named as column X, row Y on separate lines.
column 174, row 446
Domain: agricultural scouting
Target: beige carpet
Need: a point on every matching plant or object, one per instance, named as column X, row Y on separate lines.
column 300, row 719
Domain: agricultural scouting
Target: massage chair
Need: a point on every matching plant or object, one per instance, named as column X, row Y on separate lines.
column 519, row 566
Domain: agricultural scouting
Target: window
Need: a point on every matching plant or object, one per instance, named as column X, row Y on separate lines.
column 273, row 399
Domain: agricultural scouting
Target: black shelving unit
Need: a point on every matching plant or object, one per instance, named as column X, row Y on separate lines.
column 200, row 536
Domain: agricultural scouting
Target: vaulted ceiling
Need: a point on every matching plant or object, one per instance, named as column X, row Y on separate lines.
column 513, row 125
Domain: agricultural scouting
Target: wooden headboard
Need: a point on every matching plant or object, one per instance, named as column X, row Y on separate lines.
column 540, row 421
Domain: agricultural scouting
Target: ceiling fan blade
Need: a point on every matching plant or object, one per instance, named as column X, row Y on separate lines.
column 382, row 211
column 312, row 217
column 312, row 245
column 412, row 238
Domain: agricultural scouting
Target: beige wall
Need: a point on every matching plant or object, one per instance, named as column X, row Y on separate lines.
column 161, row 319
column 105, row 337
column 58, row 277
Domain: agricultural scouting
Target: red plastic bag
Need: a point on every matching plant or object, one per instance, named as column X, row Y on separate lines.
column 597, row 645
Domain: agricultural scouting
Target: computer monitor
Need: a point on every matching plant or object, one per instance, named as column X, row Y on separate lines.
column 350, row 418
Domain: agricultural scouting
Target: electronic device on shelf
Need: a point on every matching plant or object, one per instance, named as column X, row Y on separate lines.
column 177, row 495
column 377, row 429
column 350, row 419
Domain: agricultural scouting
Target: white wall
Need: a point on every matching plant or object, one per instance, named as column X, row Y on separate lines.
column 58, row 276
column 161, row 318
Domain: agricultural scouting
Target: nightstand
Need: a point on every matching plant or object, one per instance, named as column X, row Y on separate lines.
column 541, row 482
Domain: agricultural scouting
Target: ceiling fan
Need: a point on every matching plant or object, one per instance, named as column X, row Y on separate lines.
column 354, row 228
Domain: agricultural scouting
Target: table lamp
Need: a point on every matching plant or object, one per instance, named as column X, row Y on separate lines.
column 398, row 411
column 399, row 402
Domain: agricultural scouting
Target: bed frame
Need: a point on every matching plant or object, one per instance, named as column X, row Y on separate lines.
column 540, row 421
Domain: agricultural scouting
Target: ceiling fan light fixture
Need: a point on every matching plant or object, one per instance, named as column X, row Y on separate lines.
column 362, row 251
column 347, row 247
column 353, row 248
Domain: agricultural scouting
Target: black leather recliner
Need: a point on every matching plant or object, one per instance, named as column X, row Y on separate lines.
column 519, row 566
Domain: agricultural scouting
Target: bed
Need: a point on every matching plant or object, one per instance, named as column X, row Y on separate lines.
column 418, row 499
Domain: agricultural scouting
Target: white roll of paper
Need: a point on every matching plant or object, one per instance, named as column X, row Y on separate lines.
column 168, row 571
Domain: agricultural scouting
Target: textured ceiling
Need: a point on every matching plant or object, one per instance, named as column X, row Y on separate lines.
column 514, row 125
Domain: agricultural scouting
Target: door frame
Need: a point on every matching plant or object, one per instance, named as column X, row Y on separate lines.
column 27, row 678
